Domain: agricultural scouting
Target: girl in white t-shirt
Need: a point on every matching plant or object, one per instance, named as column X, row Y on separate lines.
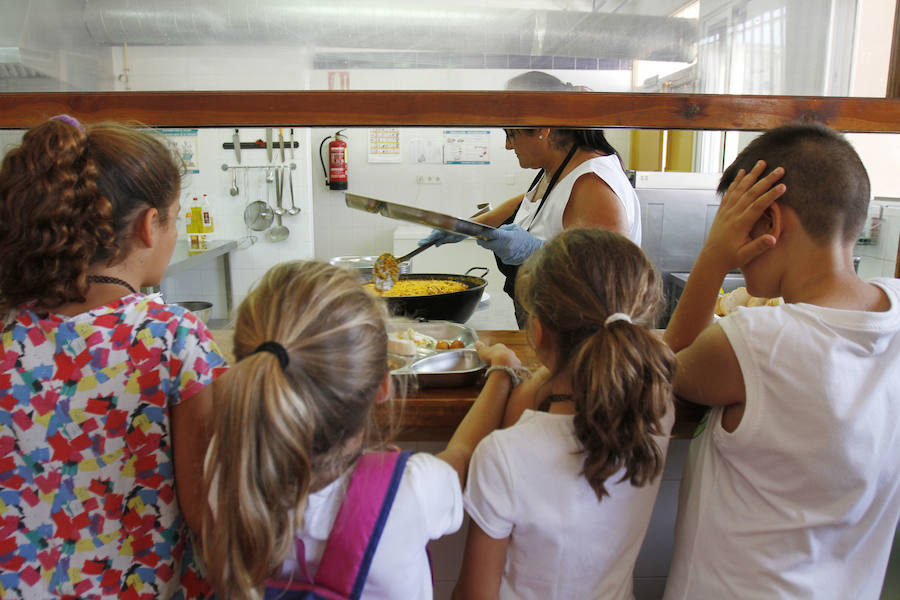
column 560, row 501
column 292, row 417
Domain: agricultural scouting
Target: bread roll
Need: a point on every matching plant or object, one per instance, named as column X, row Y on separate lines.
column 728, row 303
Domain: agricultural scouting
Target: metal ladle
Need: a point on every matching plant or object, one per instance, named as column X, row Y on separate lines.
column 293, row 210
column 385, row 274
column 279, row 186
column 234, row 191
column 279, row 233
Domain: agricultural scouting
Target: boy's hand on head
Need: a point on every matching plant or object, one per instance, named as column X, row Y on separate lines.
column 498, row 354
column 729, row 245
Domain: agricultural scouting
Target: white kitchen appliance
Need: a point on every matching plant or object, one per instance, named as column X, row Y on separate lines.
column 677, row 210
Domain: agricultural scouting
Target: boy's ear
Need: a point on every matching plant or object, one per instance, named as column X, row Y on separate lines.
column 770, row 223
column 145, row 227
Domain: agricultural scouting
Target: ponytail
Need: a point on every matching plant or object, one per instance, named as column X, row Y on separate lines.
column 622, row 380
column 258, row 475
column 288, row 423
column 592, row 139
column 586, row 286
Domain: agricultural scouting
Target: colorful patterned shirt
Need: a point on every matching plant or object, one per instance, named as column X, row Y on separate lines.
column 87, row 498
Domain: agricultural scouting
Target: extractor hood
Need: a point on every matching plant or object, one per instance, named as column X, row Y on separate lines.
column 61, row 45
column 44, row 47
column 393, row 25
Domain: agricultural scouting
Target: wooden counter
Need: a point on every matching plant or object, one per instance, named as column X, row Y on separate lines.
column 433, row 414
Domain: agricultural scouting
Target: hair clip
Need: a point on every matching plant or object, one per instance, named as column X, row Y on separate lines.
column 616, row 317
column 70, row 120
column 276, row 349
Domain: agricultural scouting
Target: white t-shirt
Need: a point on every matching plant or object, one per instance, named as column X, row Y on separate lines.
column 427, row 506
column 802, row 499
column 549, row 221
column 525, row 483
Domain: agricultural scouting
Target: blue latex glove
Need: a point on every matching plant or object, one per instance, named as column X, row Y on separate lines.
column 512, row 244
column 439, row 236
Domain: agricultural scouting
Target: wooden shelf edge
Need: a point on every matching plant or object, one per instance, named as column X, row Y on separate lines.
column 453, row 108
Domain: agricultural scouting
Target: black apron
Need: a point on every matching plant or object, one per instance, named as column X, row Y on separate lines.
column 510, row 271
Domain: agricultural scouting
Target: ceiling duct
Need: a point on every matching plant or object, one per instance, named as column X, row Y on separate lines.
column 41, row 50
column 391, row 25
column 12, row 67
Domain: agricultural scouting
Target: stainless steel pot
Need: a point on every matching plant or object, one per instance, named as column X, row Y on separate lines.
column 203, row 310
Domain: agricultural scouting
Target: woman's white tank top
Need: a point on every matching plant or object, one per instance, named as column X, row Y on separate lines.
column 549, row 221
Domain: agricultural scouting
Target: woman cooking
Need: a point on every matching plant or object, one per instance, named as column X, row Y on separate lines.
column 581, row 183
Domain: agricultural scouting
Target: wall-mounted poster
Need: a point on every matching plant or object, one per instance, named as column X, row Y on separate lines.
column 184, row 143
column 467, row 146
column 384, row 145
column 425, row 151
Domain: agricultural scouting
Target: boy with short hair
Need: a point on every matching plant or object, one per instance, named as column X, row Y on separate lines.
column 792, row 490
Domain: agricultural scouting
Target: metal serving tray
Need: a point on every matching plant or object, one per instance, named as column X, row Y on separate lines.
column 452, row 368
column 439, row 330
column 421, row 216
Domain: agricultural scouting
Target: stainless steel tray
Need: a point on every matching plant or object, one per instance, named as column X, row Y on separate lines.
column 437, row 330
column 421, row 216
column 453, row 368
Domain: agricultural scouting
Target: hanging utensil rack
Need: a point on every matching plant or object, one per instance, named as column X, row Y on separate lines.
column 293, row 166
column 257, row 145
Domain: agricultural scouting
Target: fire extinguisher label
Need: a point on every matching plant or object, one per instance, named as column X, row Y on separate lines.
column 337, row 162
column 337, row 165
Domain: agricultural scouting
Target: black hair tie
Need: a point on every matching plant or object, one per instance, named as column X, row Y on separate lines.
column 276, row 349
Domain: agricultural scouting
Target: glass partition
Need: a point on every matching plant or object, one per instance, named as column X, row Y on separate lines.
column 771, row 47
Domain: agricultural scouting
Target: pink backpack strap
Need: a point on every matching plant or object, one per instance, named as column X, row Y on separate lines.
column 357, row 529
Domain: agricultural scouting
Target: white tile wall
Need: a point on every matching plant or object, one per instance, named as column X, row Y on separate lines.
column 250, row 261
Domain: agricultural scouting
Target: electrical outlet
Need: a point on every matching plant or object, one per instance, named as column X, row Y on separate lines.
column 428, row 179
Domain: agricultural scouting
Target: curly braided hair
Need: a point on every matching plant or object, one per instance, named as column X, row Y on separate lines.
column 69, row 198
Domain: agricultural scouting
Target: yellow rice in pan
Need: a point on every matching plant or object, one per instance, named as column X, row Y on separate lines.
column 420, row 287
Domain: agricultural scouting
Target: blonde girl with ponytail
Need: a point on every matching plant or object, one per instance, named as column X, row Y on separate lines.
column 292, row 419
column 561, row 499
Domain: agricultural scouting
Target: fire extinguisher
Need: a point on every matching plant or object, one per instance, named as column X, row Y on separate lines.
column 336, row 174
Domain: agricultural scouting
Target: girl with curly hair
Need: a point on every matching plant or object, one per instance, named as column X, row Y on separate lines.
column 104, row 392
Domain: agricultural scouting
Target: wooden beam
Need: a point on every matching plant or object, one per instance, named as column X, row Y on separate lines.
column 893, row 84
column 449, row 108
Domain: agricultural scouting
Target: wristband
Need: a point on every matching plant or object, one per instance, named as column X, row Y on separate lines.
column 513, row 372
